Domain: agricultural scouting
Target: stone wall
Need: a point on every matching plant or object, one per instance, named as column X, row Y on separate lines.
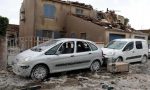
column 3, row 53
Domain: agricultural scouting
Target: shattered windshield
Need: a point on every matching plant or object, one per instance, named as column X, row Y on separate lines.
column 44, row 46
column 116, row 45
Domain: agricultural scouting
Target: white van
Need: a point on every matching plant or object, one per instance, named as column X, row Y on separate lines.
column 127, row 50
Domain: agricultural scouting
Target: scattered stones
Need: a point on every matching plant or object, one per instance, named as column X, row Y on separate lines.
column 137, row 78
column 104, row 86
column 105, row 77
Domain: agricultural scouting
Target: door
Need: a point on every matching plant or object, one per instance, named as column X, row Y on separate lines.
column 65, row 57
column 140, row 51
column 129, row 53
column 115, row 36
column 84, row 55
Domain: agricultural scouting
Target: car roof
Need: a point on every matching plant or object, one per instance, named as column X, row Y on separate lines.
column 72, row 39
column 129, row 39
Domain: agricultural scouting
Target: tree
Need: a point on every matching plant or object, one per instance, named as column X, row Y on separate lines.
column 3, row 44
column 3, row 25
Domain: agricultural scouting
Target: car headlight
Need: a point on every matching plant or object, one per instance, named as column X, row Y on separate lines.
column 23, row 61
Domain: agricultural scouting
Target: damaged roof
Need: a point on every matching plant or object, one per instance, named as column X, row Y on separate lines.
column 108, row 25
column 77, row 4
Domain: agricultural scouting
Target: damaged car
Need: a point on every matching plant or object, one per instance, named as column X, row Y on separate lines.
column 58, row 55
column 126, row 50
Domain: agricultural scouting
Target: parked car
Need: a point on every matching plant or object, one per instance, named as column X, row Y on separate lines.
column 58, row 55
column 127, row 50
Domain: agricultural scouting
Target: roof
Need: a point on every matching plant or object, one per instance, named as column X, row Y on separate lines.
column 129, row 39
column 77, row 4
column 73, row 39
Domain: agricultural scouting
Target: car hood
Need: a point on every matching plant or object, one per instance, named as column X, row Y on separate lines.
column 27, row 54
column 107, row 51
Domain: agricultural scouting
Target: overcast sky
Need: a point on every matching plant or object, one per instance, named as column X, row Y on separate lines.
column 136, row 10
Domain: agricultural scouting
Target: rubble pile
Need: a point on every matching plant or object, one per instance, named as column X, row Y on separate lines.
column 109, row 19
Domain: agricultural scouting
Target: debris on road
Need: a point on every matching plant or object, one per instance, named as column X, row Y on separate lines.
column 137, row 78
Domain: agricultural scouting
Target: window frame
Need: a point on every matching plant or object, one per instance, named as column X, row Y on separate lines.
column 137, row 45
column 79, row 11
column 48, row 9
column 90, row 44
column 62, row 45
column 83, row 34
column 59, row 45
column 83, row 43
column 127, row 45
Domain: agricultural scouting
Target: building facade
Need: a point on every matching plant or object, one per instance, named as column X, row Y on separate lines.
column 47, row 18
column 12, row 31
column 59, row 19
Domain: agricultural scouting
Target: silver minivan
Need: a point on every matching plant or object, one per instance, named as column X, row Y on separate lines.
column 58, row 55
column 127, row 50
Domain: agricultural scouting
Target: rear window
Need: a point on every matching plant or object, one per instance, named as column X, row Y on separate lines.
column 139, row 45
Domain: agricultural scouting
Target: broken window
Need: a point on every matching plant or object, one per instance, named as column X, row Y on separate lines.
column 82, row 47
column 67, row 48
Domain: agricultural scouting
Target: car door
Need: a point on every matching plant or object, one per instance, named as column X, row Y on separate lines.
column 65, row 59
column 129, row 53
column 83, row 55
column 139, row 50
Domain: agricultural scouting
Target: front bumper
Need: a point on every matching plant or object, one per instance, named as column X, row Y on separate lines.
column 21, row 70
column 109, row 59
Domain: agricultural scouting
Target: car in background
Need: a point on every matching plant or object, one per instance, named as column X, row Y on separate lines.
column 58, row 55
column 127, row 50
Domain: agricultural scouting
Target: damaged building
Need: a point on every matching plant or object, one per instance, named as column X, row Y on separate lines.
column 60, row 19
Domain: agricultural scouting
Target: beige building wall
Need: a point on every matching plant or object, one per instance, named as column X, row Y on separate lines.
column 140, row 36
column 27, row 25
column 35, row 19
column 93, row 32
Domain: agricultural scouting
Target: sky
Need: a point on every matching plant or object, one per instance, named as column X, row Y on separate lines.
column 136, row 10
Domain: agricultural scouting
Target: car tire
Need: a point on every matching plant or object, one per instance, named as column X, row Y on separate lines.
column 144, row 59
column 119, row 59
column 95, row 66
column 39, row 72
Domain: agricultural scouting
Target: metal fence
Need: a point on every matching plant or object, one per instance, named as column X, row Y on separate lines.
column 23, row 43
column 17, row 45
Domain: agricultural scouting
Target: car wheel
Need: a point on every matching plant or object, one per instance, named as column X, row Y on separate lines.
column 39, row 72
column 95, row 66
column 119, row 59
column 144, row 59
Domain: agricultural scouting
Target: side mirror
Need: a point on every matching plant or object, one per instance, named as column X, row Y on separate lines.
column 126, row 49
